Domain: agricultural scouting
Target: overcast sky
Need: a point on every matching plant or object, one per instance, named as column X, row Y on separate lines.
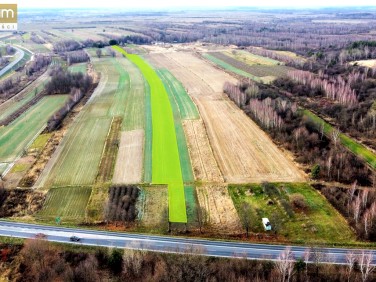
column 189, row 3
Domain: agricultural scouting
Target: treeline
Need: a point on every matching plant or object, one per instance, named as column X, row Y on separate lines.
column 40, row 62
column 7, row 85
column 66, row 46
column 288, row 126
column 334, row 88
column 331, row 96
column 13, row 85
column 289, row 60
column 3, row 61
column 12, row 117
column 358, row 206
column 36, row 39
column 9, row 50
column 295, row 34
column 40, row 260
column 76, row 57
column 54, row 122
column 63, row 82
column 77, row 84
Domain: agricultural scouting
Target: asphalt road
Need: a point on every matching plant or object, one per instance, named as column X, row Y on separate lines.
column 171, row 244
column 19, row 55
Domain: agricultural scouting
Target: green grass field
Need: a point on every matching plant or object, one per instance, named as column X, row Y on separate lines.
column 41, row 141
column 80, row 67
column 165, row 153
column 134, row 116
column 319, row 223
column 11, row 108
column 355, row 147
column 68, row 203
column 15, row 137
column 78, row 164
column 252, row 59
column 82, row 147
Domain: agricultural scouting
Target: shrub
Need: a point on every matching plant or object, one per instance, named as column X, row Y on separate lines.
column 298, row 201
column 113, row 42
column 287, row 207
column 315, row 171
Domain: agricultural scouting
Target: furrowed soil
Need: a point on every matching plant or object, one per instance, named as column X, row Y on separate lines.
column 219, row 207
column 244, row 152
column 204, row 165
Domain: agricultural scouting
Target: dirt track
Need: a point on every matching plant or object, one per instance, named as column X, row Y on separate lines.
column 128, row 168
column 243, row 151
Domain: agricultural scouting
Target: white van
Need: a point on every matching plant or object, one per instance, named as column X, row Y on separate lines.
column 266, row 223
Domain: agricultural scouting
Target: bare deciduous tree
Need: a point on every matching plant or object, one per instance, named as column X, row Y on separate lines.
column 356, row 207
column 364, row 260
column 367, row 218
column 285, row 264
column 350, row 261
column 245, row 216
column 335, row 136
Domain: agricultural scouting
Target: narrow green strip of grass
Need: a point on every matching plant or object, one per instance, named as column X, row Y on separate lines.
column 355, row 147
column 230, row 68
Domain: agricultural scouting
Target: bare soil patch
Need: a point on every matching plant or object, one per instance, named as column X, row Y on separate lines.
column 128, row 168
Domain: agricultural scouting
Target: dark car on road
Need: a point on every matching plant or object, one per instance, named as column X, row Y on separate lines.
column 40, row 236
column 74, row 239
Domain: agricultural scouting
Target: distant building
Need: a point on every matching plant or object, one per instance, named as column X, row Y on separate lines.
column 266, row 223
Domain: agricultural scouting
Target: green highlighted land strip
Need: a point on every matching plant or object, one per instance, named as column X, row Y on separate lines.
column 184, row 106
column 355, row 147
column 166, row 167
